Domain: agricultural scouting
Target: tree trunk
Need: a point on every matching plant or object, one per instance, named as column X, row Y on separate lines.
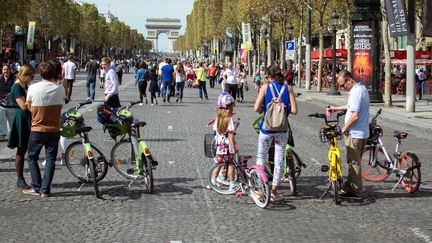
column 321, row 60
column 269, row 46
column 387, row 67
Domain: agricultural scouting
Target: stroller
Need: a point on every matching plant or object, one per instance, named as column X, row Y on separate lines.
column 190, row 78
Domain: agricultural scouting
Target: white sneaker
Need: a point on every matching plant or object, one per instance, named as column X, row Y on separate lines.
column 233, row 186
column 141, row 104
column 43, row 163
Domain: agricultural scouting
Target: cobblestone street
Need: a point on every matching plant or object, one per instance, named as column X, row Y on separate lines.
column 183, row 209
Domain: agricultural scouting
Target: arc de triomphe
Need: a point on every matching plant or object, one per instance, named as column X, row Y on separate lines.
column 156, row 26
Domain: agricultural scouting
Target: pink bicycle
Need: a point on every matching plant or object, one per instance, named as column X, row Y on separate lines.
column 248, row 180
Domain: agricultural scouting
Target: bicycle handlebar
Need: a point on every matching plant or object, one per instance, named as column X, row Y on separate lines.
column 127, row 107
column 376, row 116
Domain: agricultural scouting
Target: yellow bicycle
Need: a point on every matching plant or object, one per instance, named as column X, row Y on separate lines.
column 330, row 134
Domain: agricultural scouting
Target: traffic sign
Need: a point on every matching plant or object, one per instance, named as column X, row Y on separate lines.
column 290, row 46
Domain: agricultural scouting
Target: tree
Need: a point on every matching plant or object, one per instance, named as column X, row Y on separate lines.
column 387, row 58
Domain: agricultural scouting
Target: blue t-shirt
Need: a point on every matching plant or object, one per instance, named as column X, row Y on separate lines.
column 269, row 97
column 358, row 101
column 167, row 73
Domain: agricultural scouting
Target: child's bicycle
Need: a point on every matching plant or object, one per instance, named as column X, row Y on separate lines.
column 250, row 179
column 331, row 133
column 292, row 164
column 131, row 155
column 84, row 159
column 379, row 164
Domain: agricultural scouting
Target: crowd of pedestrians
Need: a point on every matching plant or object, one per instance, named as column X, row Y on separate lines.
column 30, row 113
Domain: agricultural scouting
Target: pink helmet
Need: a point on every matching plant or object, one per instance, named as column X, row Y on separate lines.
column 225, row 101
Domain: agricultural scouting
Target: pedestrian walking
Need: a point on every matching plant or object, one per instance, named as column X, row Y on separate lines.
column 231, row 82
column 21, row 123
column 355, row 130
column 180, row 79
column 286, row 105
column 45, row 101
column 141, row 78
column 91, row 68
column 212, row 71
column 241, row 87
column 201, row 74
column 167, row 79
column 153, row 87
column 69, row 74
column 6, row 111
column 421, row 77
column 101, row 77
column 119, row 72
column 111, row 84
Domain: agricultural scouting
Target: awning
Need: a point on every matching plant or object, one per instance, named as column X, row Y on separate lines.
column 328, row 53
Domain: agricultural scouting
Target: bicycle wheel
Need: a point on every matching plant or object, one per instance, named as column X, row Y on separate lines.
column 259, row 190
column 411, row 181
column 76, row 162
column 148, row 173
column 93, row 174
column 377, row 172
column 298, row 164
column 221, row 183
column 291, row 174
column 123, row 159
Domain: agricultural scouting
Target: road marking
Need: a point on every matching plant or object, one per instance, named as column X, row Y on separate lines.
column 171, row 162
column 90, row 109
column 316, row 161
column 170, row 128
column 169, row 112
column 420, row 234
column 176, row 241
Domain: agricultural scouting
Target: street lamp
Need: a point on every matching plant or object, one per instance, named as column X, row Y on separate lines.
column 333, row 88
column 290, row 31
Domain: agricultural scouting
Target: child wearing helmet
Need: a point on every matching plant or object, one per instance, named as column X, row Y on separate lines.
column 224, row 129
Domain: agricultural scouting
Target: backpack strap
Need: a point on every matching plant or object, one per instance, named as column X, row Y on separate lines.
column 281, row 91
column 272, row 90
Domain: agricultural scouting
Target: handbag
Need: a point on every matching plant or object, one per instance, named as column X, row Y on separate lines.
column 197, row 82
column 6, row 102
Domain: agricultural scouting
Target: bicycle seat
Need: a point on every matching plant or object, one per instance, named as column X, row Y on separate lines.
column 400, row 135
column 245, row 159
column 139, row 124
column 83, row 129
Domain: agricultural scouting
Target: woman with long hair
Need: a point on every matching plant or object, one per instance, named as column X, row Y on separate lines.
column 180, row 79
column 21, row 123
column 265, row 97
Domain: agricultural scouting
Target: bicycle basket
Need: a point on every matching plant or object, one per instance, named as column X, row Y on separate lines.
column 70, row 121
column 326, row 132
column 115, row 125
column 209, row 145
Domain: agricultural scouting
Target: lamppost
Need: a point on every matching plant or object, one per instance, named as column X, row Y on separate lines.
column 290, row 31
column 333, row 88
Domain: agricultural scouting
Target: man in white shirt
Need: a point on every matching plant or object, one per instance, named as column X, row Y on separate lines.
column 230, row 77
column 69, row 74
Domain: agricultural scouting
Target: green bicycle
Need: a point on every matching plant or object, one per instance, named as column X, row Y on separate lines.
column 131, row 155
column 84, row 159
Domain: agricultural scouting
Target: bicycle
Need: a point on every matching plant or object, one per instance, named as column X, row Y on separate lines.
column 131, row 155
column 330, row 134
column 84, row 159
column 404, row 165
column 247, row 178
column 292, row 164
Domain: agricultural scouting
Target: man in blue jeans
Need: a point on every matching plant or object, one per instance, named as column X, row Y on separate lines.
column 167, row 79
column 91, row 68
column 45, row 101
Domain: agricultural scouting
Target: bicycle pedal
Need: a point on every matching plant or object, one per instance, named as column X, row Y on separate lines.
column 324, row 168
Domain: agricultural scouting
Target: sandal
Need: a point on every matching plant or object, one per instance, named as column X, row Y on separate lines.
column 276, row 197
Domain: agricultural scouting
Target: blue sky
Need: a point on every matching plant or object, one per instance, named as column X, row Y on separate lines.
column 135, row 12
